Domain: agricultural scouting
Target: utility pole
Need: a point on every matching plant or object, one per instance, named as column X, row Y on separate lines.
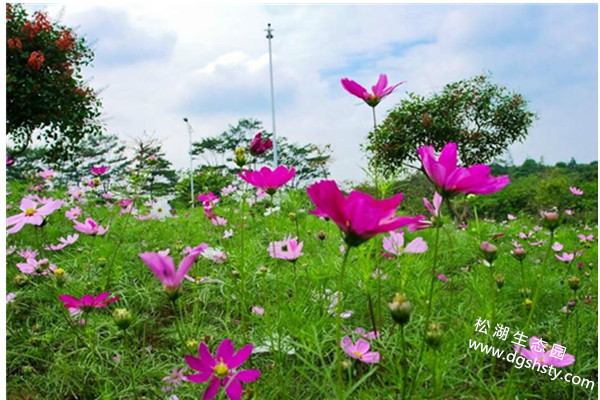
column 269, row 36
column 191, row 161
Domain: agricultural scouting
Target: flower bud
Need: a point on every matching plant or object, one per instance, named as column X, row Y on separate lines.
column 574, row 283
column 572, row 303
column 240, row 157
column 400, row 308
column 61, row 276
column 122, row 318
column 433, row 337
column 235, row 273
column 499, row 281
column 490, row 252
column 519, row 253
column 292, row 216
column 263, row 269
column 550, row 220
column 565, row 310
column 101, row 262
column 20, row 279
column 525, row 292
column 192, row 345
column 528, row 302
column 321, row 235
column 472, row 198
column 346, row 365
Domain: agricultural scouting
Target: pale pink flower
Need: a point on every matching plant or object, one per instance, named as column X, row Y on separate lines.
column 565, row 257
column 219, row 221
column 10, row 297
column 536, row 352
column 584, row 238
column 36, row 267
column 258, row 310
column 576, row 191
column 511, row 217
column 28, row 253
column 31, row 214
column 90, row 227
column 73, row 213
column 228, row 190
column 228, row 233
column 557, row 246
column 47, row 174
column 394, row 244
column 569, row 212
column 288, row 249
column 64, row 242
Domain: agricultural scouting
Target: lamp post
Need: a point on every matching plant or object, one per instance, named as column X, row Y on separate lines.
column 191, row 161
column 269, row 36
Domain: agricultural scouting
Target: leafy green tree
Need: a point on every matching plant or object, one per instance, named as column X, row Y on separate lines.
column 152, row 174
column 47, row 98
column 483, row 118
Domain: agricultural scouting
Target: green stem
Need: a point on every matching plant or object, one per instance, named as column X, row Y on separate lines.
column 376, row 155
column 402, row 361
column 338, row 326
column 177, row 327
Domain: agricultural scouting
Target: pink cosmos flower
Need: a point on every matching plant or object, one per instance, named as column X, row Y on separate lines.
column 87, row 302
column 228, row 190
column 258, row 310
column 222, row 369
column 101, row 170
column 163, row 267
column 358, row 215
column 90, row 227
column 267, row 179
column 228, row 233
column 525, row 236
column 511, row 217
column 584, row 238
column 569, row 212
column 77, row 192
column 218, row 221
column 9, row 161
column 557, row 246
column 287, row 249
column 380, row 90
column 47, row 174
column 451, row 179
column 575, row 191
column 27, row 253
column 360, row 350
column 64, row 242
column 31, row 214
column 367, row 335
column 394, row 244
column 107, row 196
column 565, row 257
column 443, row 278
column 73, row 213
column 36, row 267
column 10, row 297
column 434, row 210
column 536, row 352
column 207, row 198
column 175, row 378
column 258, row 146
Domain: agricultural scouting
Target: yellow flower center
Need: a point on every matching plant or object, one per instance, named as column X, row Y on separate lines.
column 29, row 212
column 358, row 354
column 221, row 370
column 347, row 224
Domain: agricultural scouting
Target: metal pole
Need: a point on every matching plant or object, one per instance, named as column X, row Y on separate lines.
column 191, row 162
column 269, row 31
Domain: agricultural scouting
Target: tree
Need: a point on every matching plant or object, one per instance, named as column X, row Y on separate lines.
column 481, row 117
column 46, row 96
column 310, row 160
column 152, row 174
column 99, row 150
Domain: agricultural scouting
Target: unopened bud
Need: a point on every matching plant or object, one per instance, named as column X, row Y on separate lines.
column 550, row 220
column 346, row 365
column 122, row 318
column 292, row 216
column 61, row 276
column 240, row 157
column 519, row 253
column 433, row 336
column 20, row 279
column 192, row 345
column 101, row 262
column 235, row 273
column 263, row 269
column 490, row 252
column 400, row 308
column 574, row 283
column 528, row 302
column 472, row 198
column 321, row 235
column 499, row 281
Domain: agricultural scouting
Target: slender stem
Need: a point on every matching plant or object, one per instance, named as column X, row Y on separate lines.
column 128, row 338
column 402, row 360
column 376, row 154
column 538, row 285
column 371, row 312
column 177, row 327
column 379, row 316
column 434, row 373
column 338, row 326
column 243, row 270
column 429, row 306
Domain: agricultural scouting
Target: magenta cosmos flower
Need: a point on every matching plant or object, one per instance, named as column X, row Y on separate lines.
column 87, row 302
column 380, row 90
column 90, row 227
column 31, row 214
column 536, row 352
column 222, row 369
column 164, row 268
column 267, row 179
column 358, row 215
column 360, row 350
column 258, row 146
column 450, row 179
column 101, row 170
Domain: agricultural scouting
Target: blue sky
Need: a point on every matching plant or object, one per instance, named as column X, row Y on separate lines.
column 159, row 63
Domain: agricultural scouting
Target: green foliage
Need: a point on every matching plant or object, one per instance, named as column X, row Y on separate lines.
column 483, row 118
column 47, row 98
column 152, row 173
